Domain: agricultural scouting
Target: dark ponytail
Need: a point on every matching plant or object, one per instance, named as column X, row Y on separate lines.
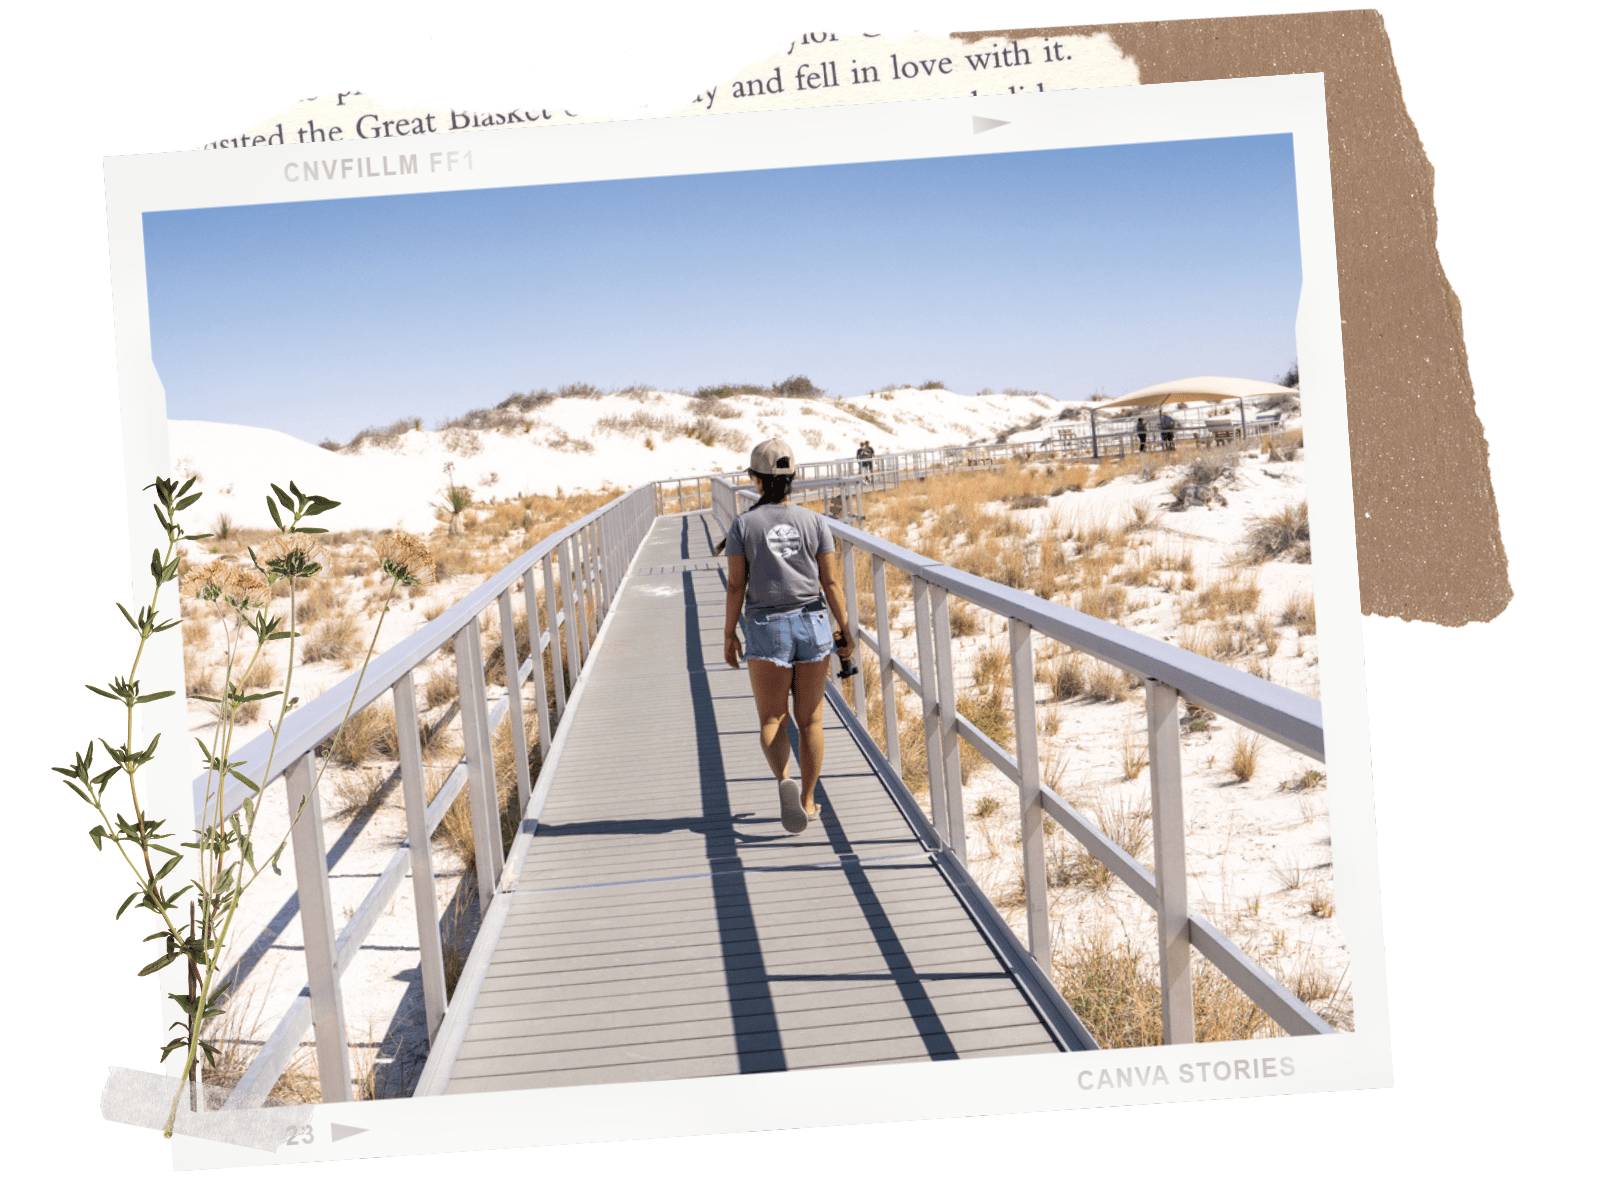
column 774, row 490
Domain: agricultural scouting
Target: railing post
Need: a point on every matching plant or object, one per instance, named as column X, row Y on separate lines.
column 553, row 628
column 316, row 931
column 891, row 716
column 928, row 677
column 574, row 655
column 852, row 612
column 1035, row 880
column 422, row 883
column 519, row 728
column 1172, row 876
column 949, row 739
column 580, row 608
column 482, row 799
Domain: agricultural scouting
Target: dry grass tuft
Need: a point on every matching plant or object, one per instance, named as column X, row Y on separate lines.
column 1246, row 751
column 1301, row 612
column 331, row 640
column 368, row 734
column 991, row 666
column 1066, row 676
column 1283, row 534
column 1113, row 987
column 1321, row 902
column 1135, row 758
column 440, row 688
column 963, row 617
column 1107, row 683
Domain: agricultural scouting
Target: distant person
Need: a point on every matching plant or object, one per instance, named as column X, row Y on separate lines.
column 1168, row 425
column 783, row 577
column 870, row 455
column 1142, row 434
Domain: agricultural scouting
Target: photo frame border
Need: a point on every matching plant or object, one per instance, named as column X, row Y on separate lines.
column 788, row 138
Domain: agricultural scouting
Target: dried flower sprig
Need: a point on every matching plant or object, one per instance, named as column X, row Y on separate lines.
column 226, row 861
column 404, row 558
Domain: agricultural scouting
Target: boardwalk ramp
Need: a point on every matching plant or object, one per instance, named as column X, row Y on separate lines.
column 663, row 925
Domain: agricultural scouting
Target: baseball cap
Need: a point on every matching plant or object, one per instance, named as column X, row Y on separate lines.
column 772, row 457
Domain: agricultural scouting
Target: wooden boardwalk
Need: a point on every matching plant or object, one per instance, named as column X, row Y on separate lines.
column 665, row 926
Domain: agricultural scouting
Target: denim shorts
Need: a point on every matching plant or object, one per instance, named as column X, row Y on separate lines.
column 788, row 638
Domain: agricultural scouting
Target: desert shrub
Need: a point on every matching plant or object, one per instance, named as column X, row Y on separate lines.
column 1030, row 500
column 713, row 406
column 1285, row 533
column 383, row 436
column 932, row 385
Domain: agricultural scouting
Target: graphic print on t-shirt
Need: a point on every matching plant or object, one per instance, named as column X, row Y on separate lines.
column 784, row 541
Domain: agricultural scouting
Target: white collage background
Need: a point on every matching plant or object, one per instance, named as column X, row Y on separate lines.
column 1478, row 733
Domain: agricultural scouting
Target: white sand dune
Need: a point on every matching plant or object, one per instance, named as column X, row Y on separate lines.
column 562, row 445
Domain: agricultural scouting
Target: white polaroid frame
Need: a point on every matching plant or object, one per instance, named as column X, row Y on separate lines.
column 1291, row 104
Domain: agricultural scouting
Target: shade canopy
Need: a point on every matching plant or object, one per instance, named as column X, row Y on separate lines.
column 1202, row 388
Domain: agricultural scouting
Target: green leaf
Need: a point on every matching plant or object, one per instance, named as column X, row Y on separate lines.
column 155, row 566
column 98, row 832
column 130, row 620
column 102, row 692
column 283, row 496
column 245, row 779
column 183, row 504
column 276, row 519
column 310, row 529
column 125, row 904
column 149, row 968
column 320, row 504
column 154, row 696
column 166, row 868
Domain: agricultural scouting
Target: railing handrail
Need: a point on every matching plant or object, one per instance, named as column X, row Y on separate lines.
column 1168, row 673
column 1114, row 429
column 307, row 727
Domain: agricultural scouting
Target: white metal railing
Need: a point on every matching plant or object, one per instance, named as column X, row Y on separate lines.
column 581, row 568
column 1168, row 673
column 1115, row 439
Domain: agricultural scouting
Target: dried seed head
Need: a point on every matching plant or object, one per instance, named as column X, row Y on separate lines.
column 404, row 558
column 292, row 555
column 241, row 587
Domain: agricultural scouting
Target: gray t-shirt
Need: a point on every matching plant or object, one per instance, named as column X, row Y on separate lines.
column 780, row 544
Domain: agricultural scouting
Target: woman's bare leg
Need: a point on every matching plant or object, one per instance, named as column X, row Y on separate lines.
column 810, row 682
column 771, row 683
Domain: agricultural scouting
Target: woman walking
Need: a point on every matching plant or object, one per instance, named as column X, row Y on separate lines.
column 783, row 577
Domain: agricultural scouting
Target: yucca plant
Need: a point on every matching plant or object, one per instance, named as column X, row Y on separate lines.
column 225, row 862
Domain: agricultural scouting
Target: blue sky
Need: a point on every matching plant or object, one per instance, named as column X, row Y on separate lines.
column 1063, row 270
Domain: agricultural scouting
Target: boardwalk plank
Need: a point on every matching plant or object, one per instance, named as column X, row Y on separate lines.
column 665, row 926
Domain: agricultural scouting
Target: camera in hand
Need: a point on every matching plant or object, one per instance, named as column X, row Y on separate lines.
column 847, row 667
